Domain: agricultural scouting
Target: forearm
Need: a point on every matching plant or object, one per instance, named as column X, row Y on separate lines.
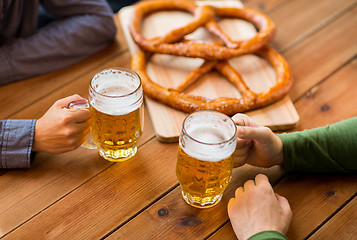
column 83, row 28
column 16, row 140
column 329, row 149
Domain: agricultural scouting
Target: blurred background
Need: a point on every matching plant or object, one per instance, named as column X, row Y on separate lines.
column 45, row 18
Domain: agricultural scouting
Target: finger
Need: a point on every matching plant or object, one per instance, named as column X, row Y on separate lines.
column 239, row 191
column 248, row 185
column 230, row 206
column 63, row 103
column 261, row 179
column 79, row 115
column 262, row 134
column 240, row 154
column 243, row 120
column 286, row 210
column 284, row 203
column 243, row 143
column 243, row 146
column 238, row 162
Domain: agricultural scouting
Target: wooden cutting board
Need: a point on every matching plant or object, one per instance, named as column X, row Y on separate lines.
column 169, row 71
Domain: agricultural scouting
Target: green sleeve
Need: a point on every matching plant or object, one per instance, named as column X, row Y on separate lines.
column 329, row 149
column 268, row 235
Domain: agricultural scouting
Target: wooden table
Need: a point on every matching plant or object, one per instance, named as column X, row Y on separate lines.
column 78, row 195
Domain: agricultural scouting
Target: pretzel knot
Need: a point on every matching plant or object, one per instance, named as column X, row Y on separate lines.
column 203, row 16
column 216, row 56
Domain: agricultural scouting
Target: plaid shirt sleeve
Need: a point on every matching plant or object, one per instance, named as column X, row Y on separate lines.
column 16, row 140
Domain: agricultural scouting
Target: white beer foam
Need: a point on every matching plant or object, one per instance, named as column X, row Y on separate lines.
column 114, row 83
column 115, row 88
column 208, row 134
column 212, row 151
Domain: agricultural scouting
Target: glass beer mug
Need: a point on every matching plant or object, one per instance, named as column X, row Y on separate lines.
column 117, row 115
column 204, row 165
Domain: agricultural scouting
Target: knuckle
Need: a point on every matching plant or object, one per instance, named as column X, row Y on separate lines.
column 64, row 119
column 265, row 129
column 266, row 188
column 69, row 133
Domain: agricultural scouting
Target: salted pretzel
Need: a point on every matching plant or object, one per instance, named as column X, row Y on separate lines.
column 216, row 54
column 203, row 16
column 176, row 98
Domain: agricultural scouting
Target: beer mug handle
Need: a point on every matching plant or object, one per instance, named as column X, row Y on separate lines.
column 80, row 104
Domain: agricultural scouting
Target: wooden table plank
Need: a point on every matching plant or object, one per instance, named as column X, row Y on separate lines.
column 101, row 204
column 305, row 17
column 262, row 5
column 331, row 101
column 317, row 196
column 26, row 192
column 341, row 226
column 172, row 218
column 322, row 54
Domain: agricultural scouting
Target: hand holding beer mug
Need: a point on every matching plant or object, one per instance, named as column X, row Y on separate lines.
column 204, row 166
column 116, row 105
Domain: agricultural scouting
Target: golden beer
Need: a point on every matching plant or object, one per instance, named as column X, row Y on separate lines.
column 116, row 103
column 117, row 135
column 204, row 163
column 203, row 181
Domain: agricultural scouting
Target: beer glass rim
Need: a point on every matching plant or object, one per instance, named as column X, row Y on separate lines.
column 201, row 142
column 120, row 69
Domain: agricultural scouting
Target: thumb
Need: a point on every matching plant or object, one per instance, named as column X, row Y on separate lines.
column 254, row 133
column 284, row 204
